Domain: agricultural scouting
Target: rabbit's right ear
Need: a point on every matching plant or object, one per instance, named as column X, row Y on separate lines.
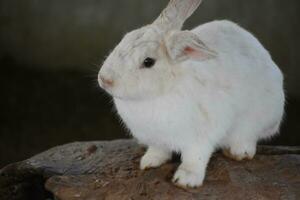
column 176, row 13
column 183, row 45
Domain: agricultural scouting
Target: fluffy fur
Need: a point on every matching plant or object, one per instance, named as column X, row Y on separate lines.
column 212, row 87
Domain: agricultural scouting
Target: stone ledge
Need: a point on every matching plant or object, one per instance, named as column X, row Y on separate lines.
column 109, row 170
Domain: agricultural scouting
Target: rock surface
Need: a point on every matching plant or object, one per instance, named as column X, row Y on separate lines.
column 109, row 170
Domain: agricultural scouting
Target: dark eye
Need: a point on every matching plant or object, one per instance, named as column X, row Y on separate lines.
column 148, row 63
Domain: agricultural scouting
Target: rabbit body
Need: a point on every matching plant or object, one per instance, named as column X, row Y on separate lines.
column 195, row 91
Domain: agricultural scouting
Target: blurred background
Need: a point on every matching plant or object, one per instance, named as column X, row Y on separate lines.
column 50, row 52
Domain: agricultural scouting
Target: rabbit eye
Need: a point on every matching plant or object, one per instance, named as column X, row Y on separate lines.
column 148, row 63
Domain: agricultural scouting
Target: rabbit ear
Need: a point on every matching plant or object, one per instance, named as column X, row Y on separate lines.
column 177, row 11
column 187, row 45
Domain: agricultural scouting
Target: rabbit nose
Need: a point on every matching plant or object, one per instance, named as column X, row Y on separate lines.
column 106, row 82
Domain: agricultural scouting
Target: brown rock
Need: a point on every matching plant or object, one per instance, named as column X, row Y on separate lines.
column 109, row 170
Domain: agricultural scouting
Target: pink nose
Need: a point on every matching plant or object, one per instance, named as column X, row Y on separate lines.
column 106, row 82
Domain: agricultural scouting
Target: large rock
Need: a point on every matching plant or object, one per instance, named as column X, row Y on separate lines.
column 109, row 170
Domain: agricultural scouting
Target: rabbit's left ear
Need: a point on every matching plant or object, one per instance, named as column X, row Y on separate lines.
column 184, row 45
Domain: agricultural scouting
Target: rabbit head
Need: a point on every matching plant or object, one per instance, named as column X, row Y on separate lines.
column 146, row 63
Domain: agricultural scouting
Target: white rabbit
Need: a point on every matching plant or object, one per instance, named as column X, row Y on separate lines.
column 194, row 91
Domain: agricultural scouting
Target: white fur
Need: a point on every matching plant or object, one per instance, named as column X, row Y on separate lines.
column 192, row 106
column 155, row 157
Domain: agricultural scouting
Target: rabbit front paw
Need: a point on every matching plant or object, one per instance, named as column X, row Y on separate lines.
column 154, row 158
column 187, row 178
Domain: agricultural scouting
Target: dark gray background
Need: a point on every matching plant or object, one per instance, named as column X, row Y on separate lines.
column 50, row 52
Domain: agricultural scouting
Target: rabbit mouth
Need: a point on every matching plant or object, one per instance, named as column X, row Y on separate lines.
column 111, row 92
